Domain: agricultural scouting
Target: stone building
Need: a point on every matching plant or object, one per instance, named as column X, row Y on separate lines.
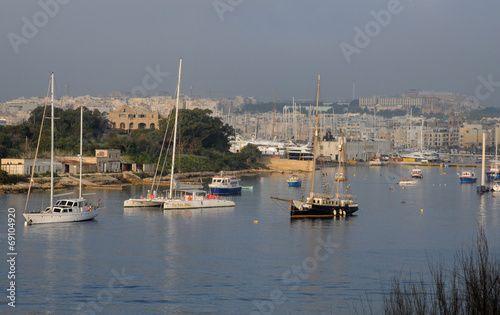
column 132, row 118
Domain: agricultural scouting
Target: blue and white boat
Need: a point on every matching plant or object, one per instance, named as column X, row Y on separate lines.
column 493, row 173
column 468, row 177
column 294, row 181
column 225, row 185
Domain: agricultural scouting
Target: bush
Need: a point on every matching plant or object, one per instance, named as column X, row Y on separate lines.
column 6, row 179
column 471, row 286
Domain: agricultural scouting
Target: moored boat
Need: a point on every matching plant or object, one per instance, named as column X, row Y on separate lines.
column 406, row 182
column 322, row 205
column 294, row 181
column 194, row 199
column 225, row 185
column 63, row 210
column 468, row 177
column 417, row 173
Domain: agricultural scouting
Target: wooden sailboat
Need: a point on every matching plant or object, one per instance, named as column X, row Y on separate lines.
column 321, row 205
column 63, row 210
column 189, row 198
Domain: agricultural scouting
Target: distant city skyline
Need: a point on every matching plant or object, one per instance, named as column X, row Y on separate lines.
column 251, row 48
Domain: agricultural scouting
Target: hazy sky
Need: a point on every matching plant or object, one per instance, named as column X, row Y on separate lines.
column 251, row 47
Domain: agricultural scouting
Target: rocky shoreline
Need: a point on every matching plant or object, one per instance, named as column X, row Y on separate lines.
column 112, row 180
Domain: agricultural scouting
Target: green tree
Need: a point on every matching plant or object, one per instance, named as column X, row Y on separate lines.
column 250, row 154
column 197, row 130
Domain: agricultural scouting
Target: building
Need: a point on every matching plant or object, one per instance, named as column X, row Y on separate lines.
column 25, row 166
column 390, row 102
column 131, row 118
column 470, row 136
column 108, row 160
column 354, row 150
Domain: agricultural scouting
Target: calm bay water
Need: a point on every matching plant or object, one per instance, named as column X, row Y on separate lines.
column 222, row 261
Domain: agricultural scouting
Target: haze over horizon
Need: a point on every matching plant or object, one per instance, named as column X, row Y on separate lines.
column 251, row 48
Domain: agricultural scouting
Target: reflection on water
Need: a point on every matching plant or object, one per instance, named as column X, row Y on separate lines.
column 233, row 260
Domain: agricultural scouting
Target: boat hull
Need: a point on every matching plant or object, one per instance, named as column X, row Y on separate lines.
column 40, row 217
column 322, row 211
column 143, row 203
column 493, row 176
column 197, row 204
column 225, row 191
column 467, row 180
column 294, row 184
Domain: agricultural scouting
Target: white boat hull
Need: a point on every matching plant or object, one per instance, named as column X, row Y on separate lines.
column 143, row 203
column 196, row 204
column 50, row 217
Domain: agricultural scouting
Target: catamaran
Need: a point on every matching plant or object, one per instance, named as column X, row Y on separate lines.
column 189, row 199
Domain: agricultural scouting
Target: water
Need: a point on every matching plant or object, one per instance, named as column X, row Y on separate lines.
column 224, row 261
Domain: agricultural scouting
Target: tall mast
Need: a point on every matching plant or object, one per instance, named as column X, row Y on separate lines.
column 484, row 157
column 175, row 131
column 274, row 116
column 81, row 149
column 315, row 143
column 52, row 141
column 341, row 158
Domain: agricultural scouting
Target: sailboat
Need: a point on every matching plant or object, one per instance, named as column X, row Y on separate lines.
column 63, row 210
column 483, row 187
column 321, row 205
column 189, row 198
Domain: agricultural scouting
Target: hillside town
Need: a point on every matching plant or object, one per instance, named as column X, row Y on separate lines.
column 440, row 124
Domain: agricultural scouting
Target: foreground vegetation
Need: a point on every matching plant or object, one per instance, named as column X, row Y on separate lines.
column 470, row 286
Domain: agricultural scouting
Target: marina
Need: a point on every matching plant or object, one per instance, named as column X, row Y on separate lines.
column 232, row 260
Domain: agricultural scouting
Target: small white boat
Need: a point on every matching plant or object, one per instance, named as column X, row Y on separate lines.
column 294, row 181
column 417, row 173
column 406, row 182
column 377, row 162
column 340, row 177
column 495, row 187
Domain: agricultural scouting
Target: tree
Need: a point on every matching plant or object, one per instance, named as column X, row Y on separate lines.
column 250, row 153
column 198, row 131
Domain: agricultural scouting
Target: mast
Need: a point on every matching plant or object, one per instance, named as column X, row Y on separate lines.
column 341, row 158
column 274, row 116
column 52, row 141
column 175, row 131
column 483, row 162
column 81, row 150
column 315, row 143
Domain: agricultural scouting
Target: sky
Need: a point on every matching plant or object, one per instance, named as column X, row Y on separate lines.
column 251, row 47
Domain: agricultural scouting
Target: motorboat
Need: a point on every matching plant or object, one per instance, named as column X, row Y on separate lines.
column 417, row 173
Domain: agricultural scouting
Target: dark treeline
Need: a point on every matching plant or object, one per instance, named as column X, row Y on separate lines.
column 203, row 143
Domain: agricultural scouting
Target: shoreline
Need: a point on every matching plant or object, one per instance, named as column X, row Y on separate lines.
column 112, row 181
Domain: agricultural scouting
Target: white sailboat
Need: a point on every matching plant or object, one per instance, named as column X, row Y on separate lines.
column 189, row 199
column 63, row 210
